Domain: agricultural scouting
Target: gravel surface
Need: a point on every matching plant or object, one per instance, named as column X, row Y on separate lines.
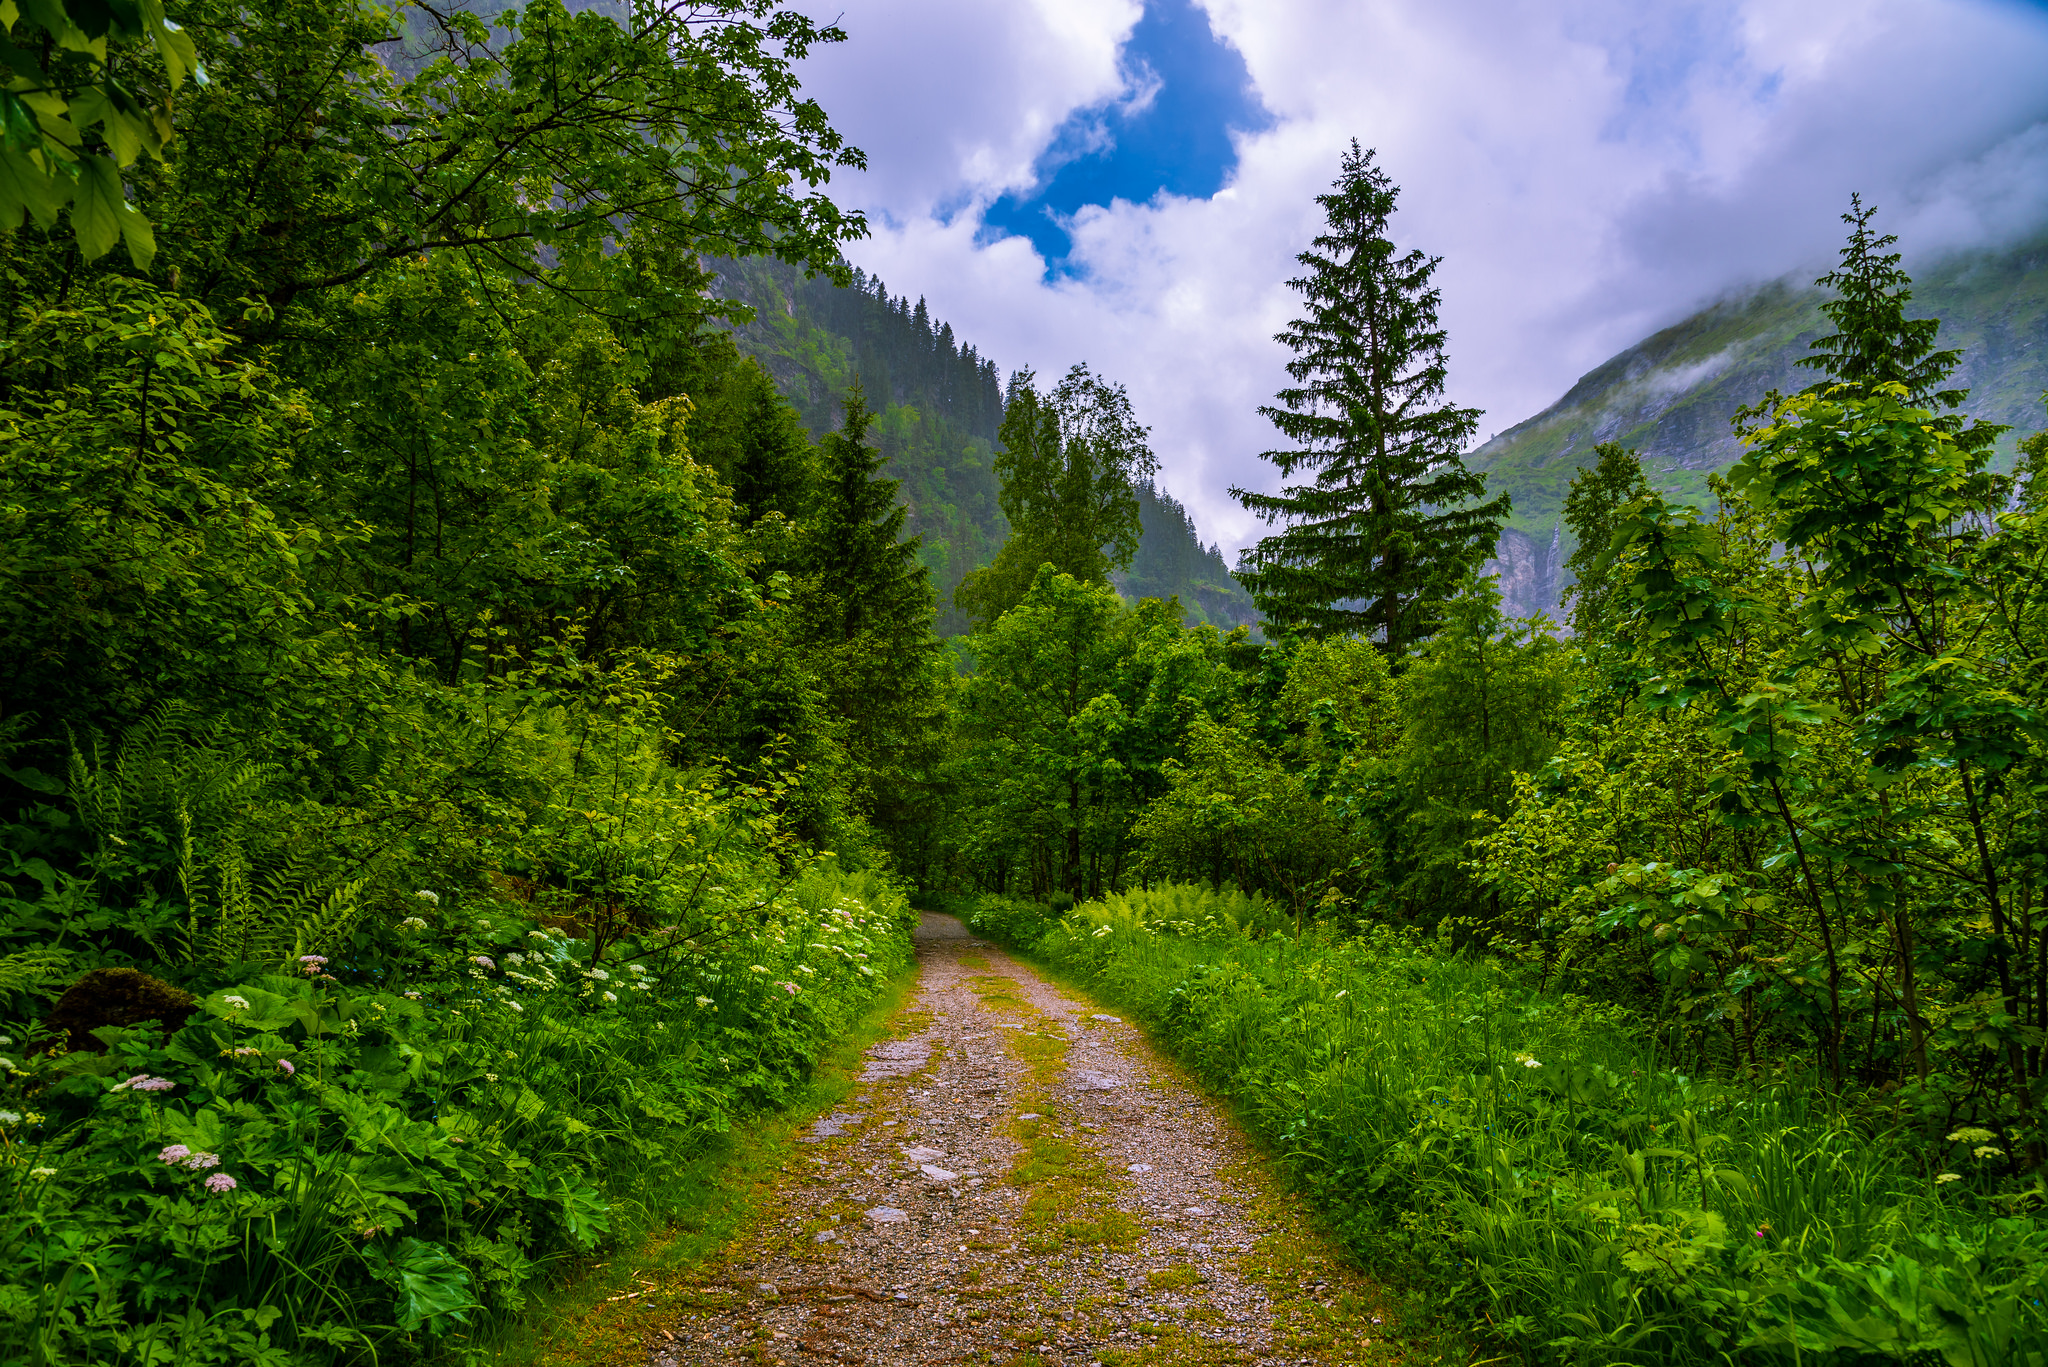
column 1020, row 1179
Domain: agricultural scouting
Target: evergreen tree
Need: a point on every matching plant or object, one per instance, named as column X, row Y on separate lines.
column 867, row 605
column 1069, row 464
column 1876, row 343
column 871, row 576
column 1389, row 527
column 1592, row 509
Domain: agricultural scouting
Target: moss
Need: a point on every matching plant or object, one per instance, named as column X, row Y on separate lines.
column 124, row 997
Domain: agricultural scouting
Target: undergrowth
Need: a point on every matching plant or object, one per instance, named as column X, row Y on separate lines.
column 1533, row 1166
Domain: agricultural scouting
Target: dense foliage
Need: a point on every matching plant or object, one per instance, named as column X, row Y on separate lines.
column 1533, row 1157
column 1751, row 864
column 457, row 730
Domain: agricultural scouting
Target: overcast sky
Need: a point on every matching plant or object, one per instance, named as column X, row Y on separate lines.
column 1126, row 182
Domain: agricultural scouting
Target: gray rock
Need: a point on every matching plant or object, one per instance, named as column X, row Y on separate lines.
column 1087, row 1080
column 1113, row 1020
column 888, row 1215
column 1141, row 1167
column 936, row 1174
column 923, row 1153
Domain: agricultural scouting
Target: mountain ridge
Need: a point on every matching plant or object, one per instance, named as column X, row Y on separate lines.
column 1671, row 395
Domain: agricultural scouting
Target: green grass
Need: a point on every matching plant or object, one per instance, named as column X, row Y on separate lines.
column 1530, row 1162
column 690, row 1214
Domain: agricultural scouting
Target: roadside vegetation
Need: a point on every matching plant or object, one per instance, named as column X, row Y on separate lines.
column 465, row 742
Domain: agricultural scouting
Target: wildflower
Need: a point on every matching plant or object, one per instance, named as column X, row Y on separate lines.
column 867, row 971
column 412, row 923
column 515, row 959
column 411, row 996
column 10, row 1117
column 611, row 996
column 1947, row 1177
column 1342, row 992
column 1970, row 1134
column 515, row 1006
column 35, row 1117
column 143, row 1082
column 312, row 958
column 490, row 1077
column 426, row 896
column 246, row 1051
column 703, row 1001
column 482, row 924
column 1984, row 1151
column 636, row 968
column 1527, row 1061
column 239, row 1003
column 173, row 1153
column 200, row 1162
column 221, row 1182
column 598, row 973
column 42, row 1172
column 790, row 988
column 756, row 968
column 285, row 1066
column 482, row 961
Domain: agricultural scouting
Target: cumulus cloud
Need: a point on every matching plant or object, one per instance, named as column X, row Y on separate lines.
column 1588, row 171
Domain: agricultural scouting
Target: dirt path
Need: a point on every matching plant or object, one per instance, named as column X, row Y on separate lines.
column 1020, row 1180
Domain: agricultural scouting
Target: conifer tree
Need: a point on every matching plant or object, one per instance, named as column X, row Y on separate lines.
column 1592, row 509
column 1389, row 527
column 867, row 607
column 871, row 579
column 1876, row 343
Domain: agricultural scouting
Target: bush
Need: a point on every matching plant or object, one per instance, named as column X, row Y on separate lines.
column 1011, row 921
column 1530, row 1160
column 326, row 1169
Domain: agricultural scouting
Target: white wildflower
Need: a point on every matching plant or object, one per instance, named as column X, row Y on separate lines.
column 1947, row 1177
column 426, row 896
column 703, row 1001
column 611, row 996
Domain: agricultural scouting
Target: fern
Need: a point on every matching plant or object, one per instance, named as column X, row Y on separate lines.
column 30, row 970
column 288, row 911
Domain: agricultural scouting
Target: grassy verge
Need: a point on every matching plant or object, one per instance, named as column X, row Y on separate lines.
column 602, row 1312
column 1526, row 1160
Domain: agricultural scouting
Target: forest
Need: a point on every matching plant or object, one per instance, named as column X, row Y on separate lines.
column 483, row 705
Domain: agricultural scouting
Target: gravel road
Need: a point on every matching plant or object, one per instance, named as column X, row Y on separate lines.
column 1019, row 1179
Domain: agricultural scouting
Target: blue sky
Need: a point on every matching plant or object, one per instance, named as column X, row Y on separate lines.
column 1127, row 182
column 1167, row 132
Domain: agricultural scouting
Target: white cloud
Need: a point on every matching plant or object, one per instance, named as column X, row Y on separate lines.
column 1588, row 171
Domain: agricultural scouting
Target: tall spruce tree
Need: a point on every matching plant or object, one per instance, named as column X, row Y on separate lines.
column 1875, row 342
column 867, row 607
column 1390, row 525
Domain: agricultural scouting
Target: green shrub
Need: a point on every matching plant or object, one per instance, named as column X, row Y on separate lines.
column 1526, row 1156
column 314, row 1169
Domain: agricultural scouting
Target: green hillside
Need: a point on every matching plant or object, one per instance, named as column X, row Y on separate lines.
column 940, row 403
column 1671, row 395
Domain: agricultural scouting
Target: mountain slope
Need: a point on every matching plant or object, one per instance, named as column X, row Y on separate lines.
column 940, row 404
column 1671, row 396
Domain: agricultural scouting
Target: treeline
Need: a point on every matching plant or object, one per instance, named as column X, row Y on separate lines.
column 1671, row 988
column 1779, row 790
column 456, row 724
